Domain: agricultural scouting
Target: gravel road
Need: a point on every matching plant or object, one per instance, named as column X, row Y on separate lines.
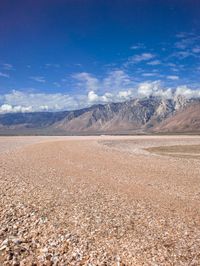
column 98, row 201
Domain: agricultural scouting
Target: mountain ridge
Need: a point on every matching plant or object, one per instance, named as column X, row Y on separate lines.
column 140, row 115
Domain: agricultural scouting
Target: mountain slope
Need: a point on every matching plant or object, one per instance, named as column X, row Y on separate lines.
column 131, row 115
column 186, row 120
column 151, row 114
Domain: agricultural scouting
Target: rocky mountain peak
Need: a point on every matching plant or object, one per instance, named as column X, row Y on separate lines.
column 180, row 101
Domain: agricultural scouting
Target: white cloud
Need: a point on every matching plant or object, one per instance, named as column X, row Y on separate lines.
column 4, row 75
column 78, row 64
column 147, row 89
column 22, row 101
column 115, row 80
column 18, row 101
column 38, row 79
column 87, row 80
column 182, row 44
column 117, row 86
column 125, row 94
column 173, row 77
column 92, row 96
column 149, row 74
column 110, row 97
column 4, row 108
column 137, row 46
column 187, row 92
column 140, row 58
column 57, row 84
column 187, row 45
column 175, row 69
column 154, row 63
column 155, row 88
column 7, row 66
column 7, row 108
column 181, row 35
column 52, row 65
column 171, row 64
column 182, row 54
column 186, row 41
column 196, row 50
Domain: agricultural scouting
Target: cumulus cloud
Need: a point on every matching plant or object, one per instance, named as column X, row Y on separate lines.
column 155, row 88
column 115, row 80
column 187, row 92
column 87, row 80
column 117, row 86
column 92, row 96
column 110, row 97
column 125, row 94
column 7, row 108
column 18, row 101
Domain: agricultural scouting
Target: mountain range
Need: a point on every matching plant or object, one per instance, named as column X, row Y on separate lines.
column 136, row 116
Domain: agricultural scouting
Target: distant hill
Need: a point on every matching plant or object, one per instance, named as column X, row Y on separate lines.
column 146, row 115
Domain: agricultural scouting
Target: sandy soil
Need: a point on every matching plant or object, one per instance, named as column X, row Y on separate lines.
column 98, row 201
column 181, row 151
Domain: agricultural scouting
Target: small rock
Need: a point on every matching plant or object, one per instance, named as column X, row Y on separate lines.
column 3, row 247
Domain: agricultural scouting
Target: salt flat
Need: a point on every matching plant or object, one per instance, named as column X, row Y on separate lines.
column 107, row 200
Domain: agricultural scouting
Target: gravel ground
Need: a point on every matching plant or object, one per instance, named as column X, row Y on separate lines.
column 98, row 201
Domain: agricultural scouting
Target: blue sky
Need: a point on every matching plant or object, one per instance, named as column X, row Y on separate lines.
column 67, row 54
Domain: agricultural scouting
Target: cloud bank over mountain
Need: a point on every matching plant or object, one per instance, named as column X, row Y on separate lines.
column 122, row 89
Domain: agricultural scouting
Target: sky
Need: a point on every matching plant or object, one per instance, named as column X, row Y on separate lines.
column 68, row 54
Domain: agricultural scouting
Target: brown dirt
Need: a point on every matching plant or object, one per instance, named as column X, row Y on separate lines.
column 98, row 201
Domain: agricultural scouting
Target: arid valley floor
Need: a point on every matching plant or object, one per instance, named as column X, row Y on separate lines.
column 103, row 200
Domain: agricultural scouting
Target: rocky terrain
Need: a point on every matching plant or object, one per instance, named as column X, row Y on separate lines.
column 144, row 115
column 185, row 120
column 99, row 201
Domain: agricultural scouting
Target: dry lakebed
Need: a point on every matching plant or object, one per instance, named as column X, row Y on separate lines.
column 102, row 200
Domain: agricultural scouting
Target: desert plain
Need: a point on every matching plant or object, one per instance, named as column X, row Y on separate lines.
column 102, row 200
